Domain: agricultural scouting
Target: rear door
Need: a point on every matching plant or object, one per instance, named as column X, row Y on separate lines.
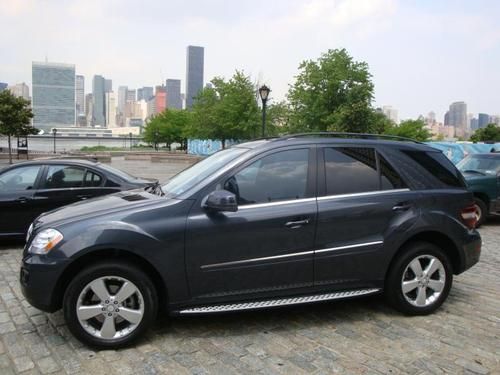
column 361, row 202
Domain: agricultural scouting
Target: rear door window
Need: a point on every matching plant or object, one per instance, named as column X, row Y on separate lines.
column 352, row 170
column 64, row 176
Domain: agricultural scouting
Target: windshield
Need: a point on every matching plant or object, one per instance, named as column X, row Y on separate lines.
column 486, row 164
column 200, row 171
column 117, row 172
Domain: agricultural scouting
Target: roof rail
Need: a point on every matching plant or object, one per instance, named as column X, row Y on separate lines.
column 350, row 135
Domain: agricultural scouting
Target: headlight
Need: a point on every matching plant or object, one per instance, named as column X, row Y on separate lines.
column 45, row 241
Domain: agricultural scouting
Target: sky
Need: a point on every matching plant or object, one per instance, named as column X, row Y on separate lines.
column 423, row 54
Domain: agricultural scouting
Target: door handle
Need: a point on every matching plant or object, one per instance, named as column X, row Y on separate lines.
column 402, row 207
column 22, row 199
column 83, row 196
column 296, row 224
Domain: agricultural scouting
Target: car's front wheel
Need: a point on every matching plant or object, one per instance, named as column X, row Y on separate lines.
column 110, row 304
column 481, row 211
column 419, row 280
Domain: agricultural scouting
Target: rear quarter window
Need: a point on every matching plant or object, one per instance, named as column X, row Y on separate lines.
column 439, row 166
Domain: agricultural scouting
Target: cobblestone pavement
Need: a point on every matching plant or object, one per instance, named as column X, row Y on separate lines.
column 356, row 336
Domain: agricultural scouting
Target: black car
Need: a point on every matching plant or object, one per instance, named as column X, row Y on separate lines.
column 268, row 223
column 28, row 189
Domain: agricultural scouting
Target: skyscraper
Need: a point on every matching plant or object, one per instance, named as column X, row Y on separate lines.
column 89, row 109
column 160, row 98
column 130, row 95
column 110, row 109
column 53, row 95
column 457, row 115
column 482, row 120
column 80, row 95
column 108, row 85
column 194, row 73
column 98, row 91
column 21, row 90
column 122, row 98
column 174, row 99
column 3, row 86
column 144, row 93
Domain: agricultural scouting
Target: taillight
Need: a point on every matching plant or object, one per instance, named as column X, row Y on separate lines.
column 469, row 216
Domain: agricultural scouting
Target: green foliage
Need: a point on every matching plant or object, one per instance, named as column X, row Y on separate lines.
column 168, row 127
column 490, row 133
column 414, row 129
column 15, row 117
column 333, row 93
column 227, row 110
column 277, row 118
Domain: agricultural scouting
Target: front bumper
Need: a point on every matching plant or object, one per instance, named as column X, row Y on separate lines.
column 471, row 250
column 38, row 279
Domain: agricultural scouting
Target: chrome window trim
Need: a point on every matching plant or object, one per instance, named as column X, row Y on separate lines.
column 368, row 193
column 278, row 203
column 252, row 260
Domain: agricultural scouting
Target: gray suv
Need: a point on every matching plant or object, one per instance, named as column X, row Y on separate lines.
column 276, row 222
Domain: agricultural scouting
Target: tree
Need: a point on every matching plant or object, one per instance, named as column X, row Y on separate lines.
column 414, row 129
column 491, row 133
column 15, row 117
column 332, row 93
column 227, row 110
column 278, row 118
column 168, row 127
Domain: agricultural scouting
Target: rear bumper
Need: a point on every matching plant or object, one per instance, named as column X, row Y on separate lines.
column 471, row 250
column 38, row 278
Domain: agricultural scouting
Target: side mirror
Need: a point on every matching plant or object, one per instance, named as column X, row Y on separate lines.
column 220, row 200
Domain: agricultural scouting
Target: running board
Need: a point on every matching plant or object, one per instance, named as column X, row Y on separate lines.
column 278, row 302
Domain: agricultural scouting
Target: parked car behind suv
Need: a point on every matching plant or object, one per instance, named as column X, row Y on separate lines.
column 33, row 187
column 276, row 222
column 482, row 174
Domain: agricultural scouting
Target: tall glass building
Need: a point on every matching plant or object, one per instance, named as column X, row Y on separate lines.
column 98, row 91
column 80, row 95
column 194, row 73
column 53, row 95
column 174, row 99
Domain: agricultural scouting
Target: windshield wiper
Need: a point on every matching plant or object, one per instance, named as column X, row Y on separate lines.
column 473, row 171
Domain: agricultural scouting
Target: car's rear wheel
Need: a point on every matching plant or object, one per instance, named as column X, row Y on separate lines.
column 109, row 305
column 481, row 211
column 419, row 280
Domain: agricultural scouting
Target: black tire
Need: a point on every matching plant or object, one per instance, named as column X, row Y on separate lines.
column 110, row 269
column 481, row 211
column 422, row 251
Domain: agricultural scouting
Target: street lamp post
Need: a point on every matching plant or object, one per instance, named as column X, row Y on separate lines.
column 130, row 135
column 156, row 140
column 54, row 132
column 264, row 94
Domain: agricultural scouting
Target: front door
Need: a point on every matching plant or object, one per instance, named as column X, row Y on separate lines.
column 267, row 245
column 362, row 201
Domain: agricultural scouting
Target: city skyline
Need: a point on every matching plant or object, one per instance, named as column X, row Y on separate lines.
column 420, row 57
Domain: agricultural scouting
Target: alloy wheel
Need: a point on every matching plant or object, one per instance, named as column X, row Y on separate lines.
column 110, row 307
column 423, row 280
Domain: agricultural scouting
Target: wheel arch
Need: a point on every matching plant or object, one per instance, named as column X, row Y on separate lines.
column 98, row 255
column 484, row 197
column 439, row 239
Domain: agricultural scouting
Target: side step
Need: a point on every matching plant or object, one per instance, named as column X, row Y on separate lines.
column 278, row 302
